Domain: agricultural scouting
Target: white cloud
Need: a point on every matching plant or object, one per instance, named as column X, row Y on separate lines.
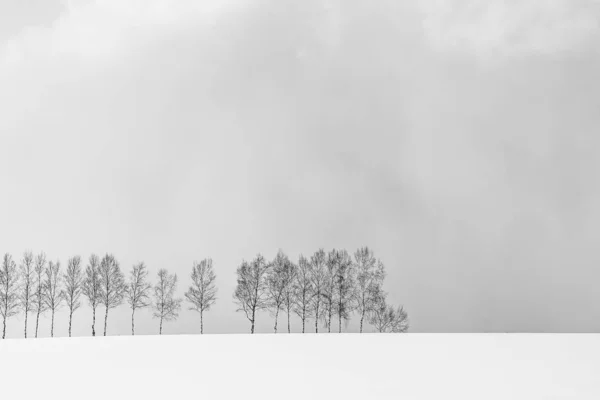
column 510, row 27
column 99, row 28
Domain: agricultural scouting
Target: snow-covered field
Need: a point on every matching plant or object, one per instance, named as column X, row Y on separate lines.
column 325, row 366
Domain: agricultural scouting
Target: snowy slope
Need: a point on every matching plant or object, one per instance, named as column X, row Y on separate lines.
column 334, row 366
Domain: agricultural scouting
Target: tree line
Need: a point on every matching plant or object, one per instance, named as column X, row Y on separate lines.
column 323, row 287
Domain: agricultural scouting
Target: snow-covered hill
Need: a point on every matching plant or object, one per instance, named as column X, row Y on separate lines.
column 325, row 366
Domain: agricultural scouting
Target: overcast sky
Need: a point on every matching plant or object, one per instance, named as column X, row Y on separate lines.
column 458, row 139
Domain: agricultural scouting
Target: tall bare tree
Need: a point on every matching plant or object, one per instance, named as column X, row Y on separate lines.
column 39, row 305
column 112, row 288
column 320, row 282
column 92, row 287
column 386, row 318
column 9, row 290
column 276, row 282
column 329, row 288
column 166, row 306
column 304, row 290
column 289, row 291
column 202, row 294
column 52, row 290
column 251, row 291
column 370, row 274
column 138, row 291
column 73, row 281
column 344, row 287
column 26, row 292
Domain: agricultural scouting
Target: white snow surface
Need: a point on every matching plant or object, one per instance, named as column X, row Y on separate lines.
column 309, row 366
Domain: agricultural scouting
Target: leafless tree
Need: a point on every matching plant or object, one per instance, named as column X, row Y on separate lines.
column 9, row 290
column 38, row 303
column 73, row 280
column 331, row 265
column 112, row 287
column 137, row 293
column 319, row 281
column 386, row 318
column 203, row 292
column 26, row 292
column 166, row 306
column 251, row 291
column 289, row 291
column 303, row 288
column 52, row 290
column 344, row 287
column 370, row 274
column 276, row 283
column 92, row 287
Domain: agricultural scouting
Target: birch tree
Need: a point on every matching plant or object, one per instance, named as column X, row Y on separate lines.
column 276, row 282
column 166, row 306
column 38, row 303
column 303, row 289
column 329, row 288
column 92, row 287
column 251, row 291
column 202, row 294
column 386, row 318
column 9, row 290
column 138, row 291
column 344, row 287
column 112, row 285
column 52, row 290
column 319, row 281
column 27, row 289
column 73, row 281
column 370, row 274
column 289, row 290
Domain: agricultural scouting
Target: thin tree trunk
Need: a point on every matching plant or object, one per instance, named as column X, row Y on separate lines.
column 289, row 331
column 52, row 325
column 132, row 323
column 201, row 323
column 94, row 321
column 252, row 321
column 25, row 324
column 362, row 317
column 37, row 321
column 276, row 317
column 105, row 320
column 70, row 319
column 160, row 330
column 4, row 328
column 340, row 320
column 317, row 318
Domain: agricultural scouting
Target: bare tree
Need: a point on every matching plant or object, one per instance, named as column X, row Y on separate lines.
column 52, row 291
column 344, row 286
column 39, row 306
column 9, row 290
column 92, row 287
column 303, row 287
column 370, row 274
column 203, row 292
column 112, row 287
column 386, row 318
column 26, row 292
column 73, row 279
column 276, row 282
column 319, row 281
column 289, row 291
column 166, row 306
column 329, row 288
column 251, row 291
column 137, row 293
